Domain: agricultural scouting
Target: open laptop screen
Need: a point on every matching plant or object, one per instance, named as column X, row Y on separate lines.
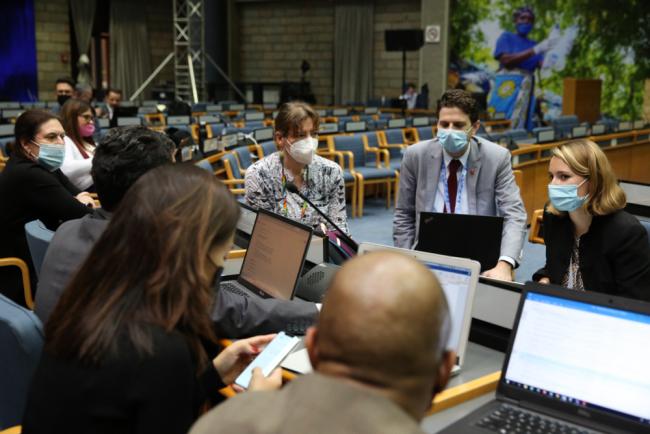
column 455, row 282
column 582, row 354
column 275, row 255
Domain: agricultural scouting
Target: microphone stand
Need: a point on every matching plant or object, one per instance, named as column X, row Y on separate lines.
column 291, row 187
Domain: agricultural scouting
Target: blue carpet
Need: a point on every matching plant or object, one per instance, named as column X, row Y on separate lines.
column 376, row 226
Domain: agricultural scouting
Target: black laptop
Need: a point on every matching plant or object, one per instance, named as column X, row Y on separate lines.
column 274, row 258
column 578, row 362
column 462, row 235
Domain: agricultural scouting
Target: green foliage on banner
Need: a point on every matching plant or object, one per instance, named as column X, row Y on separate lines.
column 613, row 42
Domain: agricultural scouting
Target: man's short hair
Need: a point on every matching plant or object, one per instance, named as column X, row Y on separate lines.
column 113, row 90
column 462, row 100
column 122, row 156
column 66, row 80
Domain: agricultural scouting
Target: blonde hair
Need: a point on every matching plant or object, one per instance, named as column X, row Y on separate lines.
column 586, row 159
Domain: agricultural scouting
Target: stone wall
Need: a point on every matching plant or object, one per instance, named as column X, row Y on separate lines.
column 392, row 15
column 276, row 36
column 52, row 44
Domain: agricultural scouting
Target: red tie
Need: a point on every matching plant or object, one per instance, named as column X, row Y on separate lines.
column 452, row 183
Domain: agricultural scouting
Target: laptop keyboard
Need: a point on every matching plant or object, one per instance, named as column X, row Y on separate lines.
column 233, row 288
column 298, row 327
column 512, row 420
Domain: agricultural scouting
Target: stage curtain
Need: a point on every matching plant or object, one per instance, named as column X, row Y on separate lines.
column 129, row 46
column 353, row 52
column 83, row 16
column 17, row 51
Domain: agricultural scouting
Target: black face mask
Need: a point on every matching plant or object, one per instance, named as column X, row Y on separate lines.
column 217, row 278
column 62, row 99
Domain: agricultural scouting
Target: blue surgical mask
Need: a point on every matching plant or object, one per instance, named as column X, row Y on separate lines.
column 524, row 28
column 453, row 141
column 565, row 197
column 51, row 156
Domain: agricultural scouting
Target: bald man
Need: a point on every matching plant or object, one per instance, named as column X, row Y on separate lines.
column 378, row 354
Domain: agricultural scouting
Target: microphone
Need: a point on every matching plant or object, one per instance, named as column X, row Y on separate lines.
column 291, row 187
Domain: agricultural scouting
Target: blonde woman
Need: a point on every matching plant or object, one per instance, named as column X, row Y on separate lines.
column 591, row 243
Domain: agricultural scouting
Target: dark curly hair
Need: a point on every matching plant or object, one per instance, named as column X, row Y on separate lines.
column 125, row 154
column 462, row 100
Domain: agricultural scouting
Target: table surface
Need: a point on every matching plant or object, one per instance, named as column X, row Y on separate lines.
column 478, row 378
column 480, row 374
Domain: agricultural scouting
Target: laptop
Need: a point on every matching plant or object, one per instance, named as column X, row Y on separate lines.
column 458, row 278
column 274, row 258
column 463, row 235
column 577, row 361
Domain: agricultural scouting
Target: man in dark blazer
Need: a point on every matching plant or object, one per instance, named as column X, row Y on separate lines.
column 483, row 185
column 120, row 159
column 378, row 352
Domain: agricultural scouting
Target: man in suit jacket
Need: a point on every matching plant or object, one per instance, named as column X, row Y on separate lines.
column 379, row 356
column 121, row 158
column 484, row 183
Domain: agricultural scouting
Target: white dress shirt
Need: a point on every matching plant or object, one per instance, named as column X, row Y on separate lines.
column 462, row 207
column 439, row 202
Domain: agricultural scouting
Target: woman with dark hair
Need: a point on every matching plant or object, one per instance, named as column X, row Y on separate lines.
column 125, row 345
column 79, row 125
column 33, row 187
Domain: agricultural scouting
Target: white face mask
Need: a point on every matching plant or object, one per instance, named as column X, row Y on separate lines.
column 303, row 150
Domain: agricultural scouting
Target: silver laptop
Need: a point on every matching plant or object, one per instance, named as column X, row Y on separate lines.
column 458, row 278
column 274, row 258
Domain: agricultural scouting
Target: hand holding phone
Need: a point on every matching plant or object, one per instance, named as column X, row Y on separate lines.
column 269, row 359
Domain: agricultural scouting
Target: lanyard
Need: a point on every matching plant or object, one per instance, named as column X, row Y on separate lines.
column 283, row 179
column 459, row 190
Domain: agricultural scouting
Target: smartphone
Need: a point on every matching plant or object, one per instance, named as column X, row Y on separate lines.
column 270, row 358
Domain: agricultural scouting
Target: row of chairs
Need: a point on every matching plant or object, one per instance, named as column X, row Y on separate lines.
column 367, row 158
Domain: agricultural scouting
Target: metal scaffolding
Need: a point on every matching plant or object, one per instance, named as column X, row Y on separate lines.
column 189, row 47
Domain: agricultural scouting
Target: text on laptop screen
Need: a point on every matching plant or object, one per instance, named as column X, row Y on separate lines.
column 455, row 282
column 274, row 257
column 583, row 354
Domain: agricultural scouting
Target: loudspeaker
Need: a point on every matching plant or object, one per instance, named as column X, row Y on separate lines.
column 404, row 40
column 314, row 283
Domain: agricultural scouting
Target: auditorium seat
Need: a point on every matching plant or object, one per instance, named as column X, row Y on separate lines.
column 244, row 158
column 535, row 235
column 395, row 141
column 4, row 141
column 350, row 178
column 38, row 240
column 563, row 125
column 264, row 149
column 234, row 178
column 214, row 130
column 24, row 275
column 544, row 134
column 21, row 340
column 205, row 165
column 423, row 133
column 362, row 154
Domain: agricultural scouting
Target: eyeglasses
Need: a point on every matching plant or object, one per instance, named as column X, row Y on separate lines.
column 87, row 118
